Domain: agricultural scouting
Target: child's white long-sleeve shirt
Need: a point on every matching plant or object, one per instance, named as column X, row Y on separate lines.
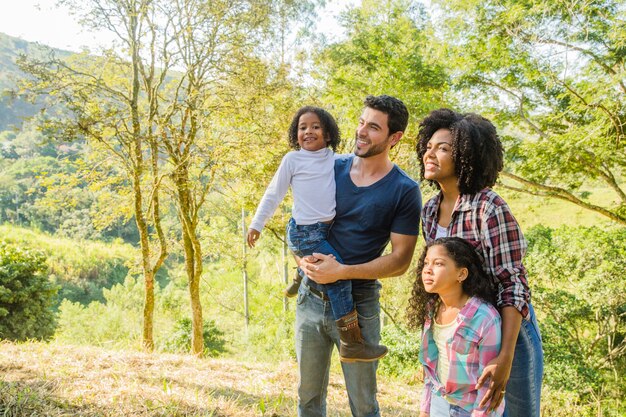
column 312, row 179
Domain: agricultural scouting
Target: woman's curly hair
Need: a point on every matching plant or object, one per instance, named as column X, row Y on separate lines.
column 477, row 284
column 329, row 125
column 476, row 148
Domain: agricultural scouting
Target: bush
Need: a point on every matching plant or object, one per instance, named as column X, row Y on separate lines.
column 180, row 340
column 26, row 295
column 81, row 268
column 116, row 323
column 403, row 357
column 578, row 281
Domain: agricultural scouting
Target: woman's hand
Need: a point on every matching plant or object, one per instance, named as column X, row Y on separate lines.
column 497, row 371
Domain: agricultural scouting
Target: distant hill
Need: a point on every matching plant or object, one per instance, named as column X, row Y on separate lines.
column 12, row 112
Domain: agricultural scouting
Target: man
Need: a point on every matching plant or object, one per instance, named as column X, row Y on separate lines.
column 377, row 203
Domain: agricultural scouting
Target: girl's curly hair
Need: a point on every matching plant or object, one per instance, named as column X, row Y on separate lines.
column 329, row 125
column 478, row 283
column 476, row 148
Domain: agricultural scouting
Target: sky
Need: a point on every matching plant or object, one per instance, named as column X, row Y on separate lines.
column 41, row 21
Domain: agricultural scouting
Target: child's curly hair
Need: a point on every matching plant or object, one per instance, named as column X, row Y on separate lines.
column 476, row 148
column 477, row 283
column 329, row 125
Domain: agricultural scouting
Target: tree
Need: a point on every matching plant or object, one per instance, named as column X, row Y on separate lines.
column 215, row 43
column 158, row 120
column 108, row 109
column 386, row 52
column 552, row 75
column 26, row 295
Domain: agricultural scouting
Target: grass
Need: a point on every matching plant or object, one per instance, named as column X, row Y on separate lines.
column 41, row 379
column 65, row 248
column 257, row 378
column 532, row 210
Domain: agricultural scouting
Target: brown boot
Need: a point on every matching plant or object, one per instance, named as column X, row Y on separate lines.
column 352, row 347
column 292, row 289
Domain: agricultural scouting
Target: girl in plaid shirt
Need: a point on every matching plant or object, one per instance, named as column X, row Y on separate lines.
column 462, row 156
column 452, row 302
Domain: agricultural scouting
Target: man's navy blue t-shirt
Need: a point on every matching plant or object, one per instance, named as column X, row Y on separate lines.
column 366, row 216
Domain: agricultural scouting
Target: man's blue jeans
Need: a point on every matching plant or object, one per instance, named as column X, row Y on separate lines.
column 305, row 239
column 316, row 335
column 523, row 391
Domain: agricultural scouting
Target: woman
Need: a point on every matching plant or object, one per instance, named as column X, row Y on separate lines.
column 461, row 155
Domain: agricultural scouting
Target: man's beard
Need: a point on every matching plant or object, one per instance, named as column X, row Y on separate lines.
column 373, row 149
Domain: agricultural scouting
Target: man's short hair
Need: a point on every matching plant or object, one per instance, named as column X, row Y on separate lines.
column 394, row 108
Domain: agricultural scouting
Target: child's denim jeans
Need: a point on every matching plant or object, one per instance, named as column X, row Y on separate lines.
column 303, row 240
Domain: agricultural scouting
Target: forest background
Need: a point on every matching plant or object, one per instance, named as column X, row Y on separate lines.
column 128, row 175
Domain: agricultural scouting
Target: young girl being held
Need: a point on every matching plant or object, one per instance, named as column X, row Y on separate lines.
column 310, row 172
column 452, row 301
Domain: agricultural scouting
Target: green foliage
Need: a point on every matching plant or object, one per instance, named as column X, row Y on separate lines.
column 578, row 283
column 115, row 323
column 26, row 295
column 403, row 357
column 81, row 269
column 387, row 51
column 551, row 74
column 179, row 340
column 269, row 332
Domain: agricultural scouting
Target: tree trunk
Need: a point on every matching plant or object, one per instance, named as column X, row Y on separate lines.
column 193, row 254
column 148, row 274
column 137, row 163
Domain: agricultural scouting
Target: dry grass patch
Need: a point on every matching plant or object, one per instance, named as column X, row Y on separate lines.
column 41, row 379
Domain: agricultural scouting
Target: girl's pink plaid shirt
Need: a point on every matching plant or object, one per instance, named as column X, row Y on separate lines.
column 475, row 342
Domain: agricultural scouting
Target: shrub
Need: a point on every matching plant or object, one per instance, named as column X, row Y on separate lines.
column 26, row 295
column 116, row 323
column 180, row 340
column 577, row 277
column 403, row 357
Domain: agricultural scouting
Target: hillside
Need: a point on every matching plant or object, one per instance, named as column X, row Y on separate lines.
column 58, row 380
column 12, row 111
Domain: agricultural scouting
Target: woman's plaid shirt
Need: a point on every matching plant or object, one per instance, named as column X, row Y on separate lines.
column 485, row 220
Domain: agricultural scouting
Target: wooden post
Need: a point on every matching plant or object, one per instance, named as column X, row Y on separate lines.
column 285, row 271
column 245, row 267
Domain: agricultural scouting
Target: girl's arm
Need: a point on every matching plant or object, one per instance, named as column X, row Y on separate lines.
column 488, row 349
column 273, row 195
column 499, row 368
column 427, row 391
column 426, row 397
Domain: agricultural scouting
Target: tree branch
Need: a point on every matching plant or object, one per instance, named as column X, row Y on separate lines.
column 560, row 193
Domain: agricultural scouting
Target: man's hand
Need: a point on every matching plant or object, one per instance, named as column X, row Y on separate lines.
column 498, row 370
column 323, row 269
column 253, row 236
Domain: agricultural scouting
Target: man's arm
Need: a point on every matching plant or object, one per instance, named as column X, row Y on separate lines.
column 324, row 269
